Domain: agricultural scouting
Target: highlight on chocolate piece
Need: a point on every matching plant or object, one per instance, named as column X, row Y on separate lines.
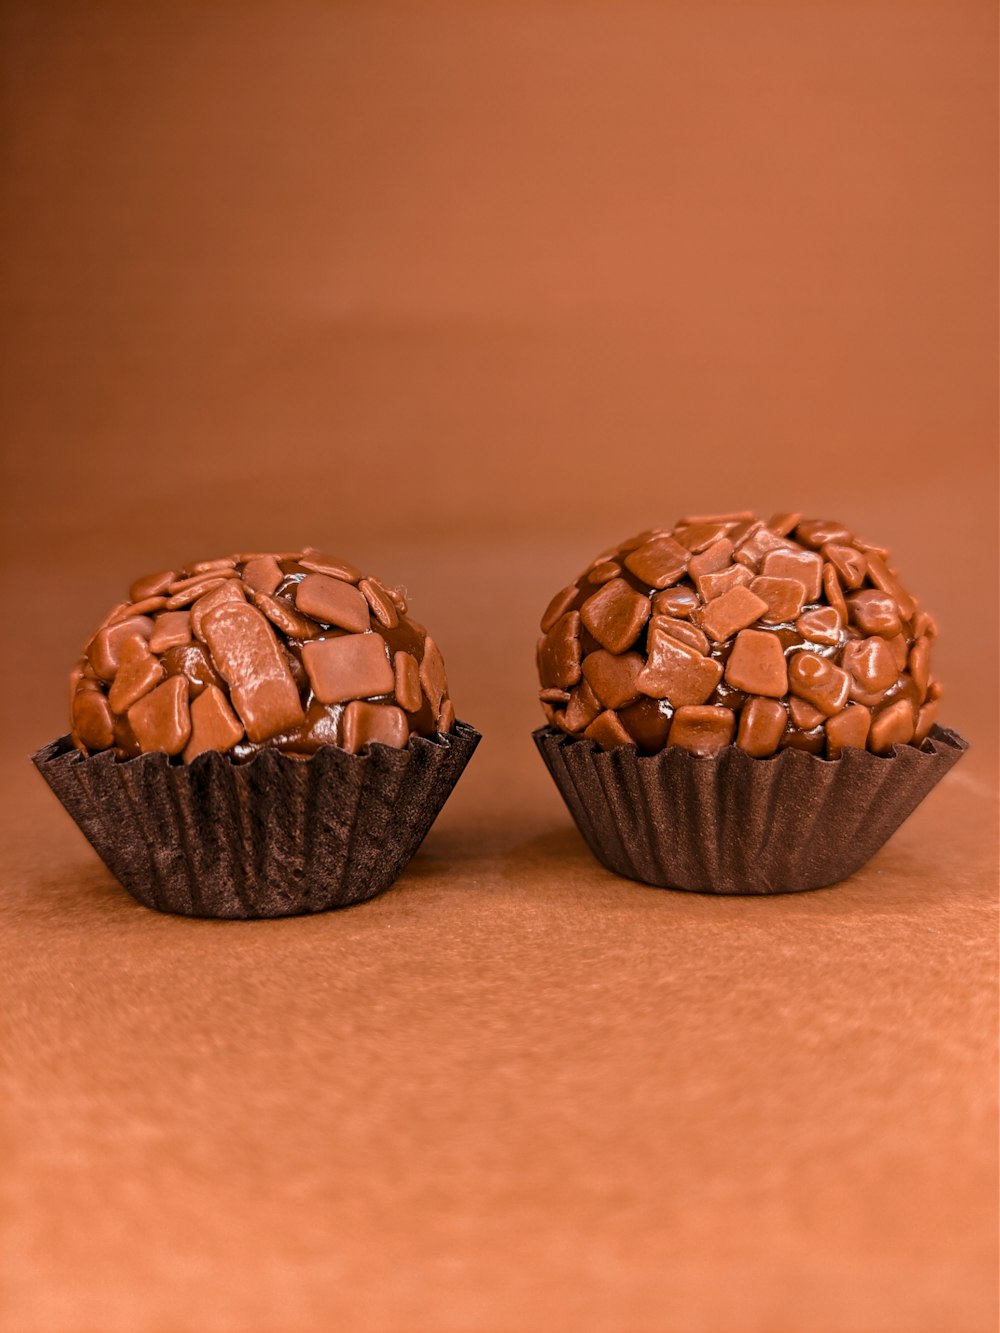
column 723, row 630
column 287, row 651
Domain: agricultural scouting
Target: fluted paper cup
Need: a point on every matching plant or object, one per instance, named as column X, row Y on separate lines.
column 730, row 823
column 275, row 836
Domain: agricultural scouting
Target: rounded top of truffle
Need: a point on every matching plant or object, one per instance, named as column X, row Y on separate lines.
column 726, row 629
column 286, row 650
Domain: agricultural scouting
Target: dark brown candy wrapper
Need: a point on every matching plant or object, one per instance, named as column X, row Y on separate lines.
column 733, row 824
column 276, row 836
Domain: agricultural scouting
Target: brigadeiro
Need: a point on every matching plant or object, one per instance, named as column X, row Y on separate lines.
column 737, row 706
column 260, row 735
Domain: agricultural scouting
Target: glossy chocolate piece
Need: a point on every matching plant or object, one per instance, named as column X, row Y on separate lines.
column 289, row 650
column 799, row 631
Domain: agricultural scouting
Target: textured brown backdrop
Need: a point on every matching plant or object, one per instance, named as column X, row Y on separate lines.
column 467, row 292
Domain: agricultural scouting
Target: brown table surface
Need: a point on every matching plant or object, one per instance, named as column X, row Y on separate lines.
column 467, row 293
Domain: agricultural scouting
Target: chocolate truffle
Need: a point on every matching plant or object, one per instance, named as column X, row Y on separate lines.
column 738, row 706
column 289, row 651
column 726, row 630
column 262, row 735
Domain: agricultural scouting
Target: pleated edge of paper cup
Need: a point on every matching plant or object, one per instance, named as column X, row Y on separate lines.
column 159, row 871
column 733, row 824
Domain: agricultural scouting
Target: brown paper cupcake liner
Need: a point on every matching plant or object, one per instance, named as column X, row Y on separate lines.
column 272, row 837
column 734, row 824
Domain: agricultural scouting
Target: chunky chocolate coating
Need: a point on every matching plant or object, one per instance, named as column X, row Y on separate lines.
column 282, row 650
column 728, row 630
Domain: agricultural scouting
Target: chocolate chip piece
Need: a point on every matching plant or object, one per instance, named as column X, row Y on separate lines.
column 648, row 723
column 446, row 717
column 819, row 532
column 899, row 648
column 289, row 621
column 212, row 566
column 248, row 656
column 920, row 666
column 559, row 605
column 784, row 598
column 263, row 574
column 608, row 732
column 762, row 723
column 92, row 722
column 170, row 630
column 875, row 613
column 714, row 585
column 702, row 730
column 106, row 647
column 321, row 563
column 659, row 562
column 712, row 560
column 633, row 543
column 382, row 606
column 834, row 592
column 679, row 602
column 353, row 666
column 138, row 673
column 678, row 673
column 699, row 536
column 683, row 631
column 189, row 590
column 230, row 591
column 333, row 601
column 432, row 673
column 810, row 742
column 894, row 725
column 822, row 625
column 782, row 524
column 582, row 708
column 407, row 682
column 734, row 610
column 743, row 531
column 925, row 721
column 757, row 546
column 554, row 696
column 888, row 581
column 615, row 615
column 819, row 682
column 713, row 520
column 804, row 716
column 849, row 728
column 191, row 662
column 871, row 663
column 613, row 677
column 214, row 725
column 152, row 585
column 379, row 724
column 559, row 656
column 869, row 698
column 145, row 607
column 161, row 719
column 603, row 572
column 195, row 580
column 801, row 565
column 757, row 664
column 851, row 565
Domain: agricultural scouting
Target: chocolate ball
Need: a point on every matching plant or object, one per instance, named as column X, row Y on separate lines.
column 287, row 650
column 726, row 630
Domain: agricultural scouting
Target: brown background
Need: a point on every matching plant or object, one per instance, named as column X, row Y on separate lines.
column 467, row 292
